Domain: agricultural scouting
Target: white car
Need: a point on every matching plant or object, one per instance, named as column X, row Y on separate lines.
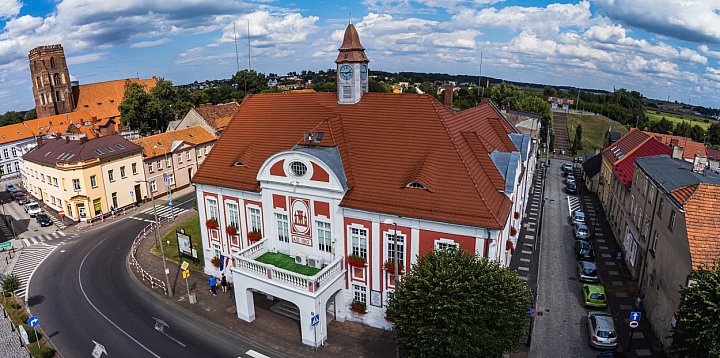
column 33, row 209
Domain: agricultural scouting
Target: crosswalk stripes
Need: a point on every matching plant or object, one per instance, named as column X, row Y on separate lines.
column 573, row 204
column 43, row 238
column 164, row 211
column 30, row 258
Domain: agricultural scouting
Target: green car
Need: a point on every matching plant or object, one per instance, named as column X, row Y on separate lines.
column 594, row 296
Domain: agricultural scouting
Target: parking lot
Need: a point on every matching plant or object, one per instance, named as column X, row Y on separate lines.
column 19, row 222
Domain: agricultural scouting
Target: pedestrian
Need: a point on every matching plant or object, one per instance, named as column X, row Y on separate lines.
column 618, row 257
column 223, row 284
column 212, row 282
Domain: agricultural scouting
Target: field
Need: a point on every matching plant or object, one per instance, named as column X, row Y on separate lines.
column 594, row 129
column 654, row 116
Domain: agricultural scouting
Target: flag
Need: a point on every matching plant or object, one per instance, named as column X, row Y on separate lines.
column 222, row 263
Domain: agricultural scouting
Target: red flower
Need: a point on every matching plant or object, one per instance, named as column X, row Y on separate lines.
column 231, row 229
column 212, row 223
column 356, row 261
column 215, row 261
column 390, row 267
column 358, row 306
column 517, row 215
column 513, row 231
column 254, row 235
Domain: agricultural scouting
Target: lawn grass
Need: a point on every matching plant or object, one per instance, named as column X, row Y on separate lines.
column 594, row 130
column 19, row 316
column 654, row 116
column 286, row 262
column 192, row 228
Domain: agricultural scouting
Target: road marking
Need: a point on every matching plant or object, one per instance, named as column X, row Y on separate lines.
column 526, row 252
column 254, row 354
column 522, row 259
column 82, row 289
column 522, row 268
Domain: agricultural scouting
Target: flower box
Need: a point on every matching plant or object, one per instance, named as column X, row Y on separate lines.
column 215, row 261
column 212, row 224
column 356, row 261
column 254, row 235
column 389, row 266
column 231, row 230
column 358, row 307
column 513, row 231
column 517, row 215
column 509, row 246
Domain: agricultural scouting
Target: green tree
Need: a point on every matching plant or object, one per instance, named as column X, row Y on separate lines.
column 31, row 114
column 697, row 133
column 10, row 117
column 549, row 92
column 10, row 283
column 199, row 97
column 713, row 134
column 139, row 109
column 325, row 86
column 577, row 141
column 662, row 126
column 377, row 86
column 454, row 304
column 682, row 129
column 248, row 82
column 698, row 328
column 429, row 88
column 165, row 97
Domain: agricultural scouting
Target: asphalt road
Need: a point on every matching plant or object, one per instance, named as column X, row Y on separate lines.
column 561, row 331
column 83, row 293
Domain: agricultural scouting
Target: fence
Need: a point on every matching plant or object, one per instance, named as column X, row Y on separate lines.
column 145, row 275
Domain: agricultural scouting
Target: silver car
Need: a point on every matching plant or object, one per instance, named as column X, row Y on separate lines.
column 581, row 231
column 602, row 332
column 578, row 217
column 587, row 272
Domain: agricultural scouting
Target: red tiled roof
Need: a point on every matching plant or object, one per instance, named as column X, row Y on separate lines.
column 625, row 145
column 624, row 167
column 194, row 135
column 217, row 116
column 713, row 153
column 14, row 132
column 690, row 147
column 385, row 141
column 102, row 99
column 702, row 220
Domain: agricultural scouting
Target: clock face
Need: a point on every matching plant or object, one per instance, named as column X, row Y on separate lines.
column 363, row 72
column 346, row 72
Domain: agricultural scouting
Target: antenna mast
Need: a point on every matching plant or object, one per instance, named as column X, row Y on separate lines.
column 480, row 79
column 248, row 33
column 237, row 56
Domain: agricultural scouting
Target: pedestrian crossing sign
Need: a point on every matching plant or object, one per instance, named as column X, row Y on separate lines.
column 186, row 273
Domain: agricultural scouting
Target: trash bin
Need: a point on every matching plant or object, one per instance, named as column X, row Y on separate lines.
column 192, row 298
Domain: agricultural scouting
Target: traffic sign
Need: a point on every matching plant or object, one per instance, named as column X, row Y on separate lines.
column 634, row 324
column 184, row 265
column 532, row 313
column 6, row 244
column 186, row 274
column 165, row 177
column 314, row 320
column 61, row 213
column 169, row 202
column 33, row 321
column 635, row 316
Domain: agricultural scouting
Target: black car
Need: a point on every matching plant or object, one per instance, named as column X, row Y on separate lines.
column 43, row 220
column 584, row 251
column 571, row 187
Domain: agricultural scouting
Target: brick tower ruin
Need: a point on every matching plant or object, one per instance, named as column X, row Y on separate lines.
column 51, row 81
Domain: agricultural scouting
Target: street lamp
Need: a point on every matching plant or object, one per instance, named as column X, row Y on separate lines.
column 395, row 247
column 157, row 237
column 167, row 183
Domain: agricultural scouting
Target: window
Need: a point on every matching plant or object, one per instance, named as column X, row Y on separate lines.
column 391, row 249
column 122, row 172
column 233, row 215
column 171, row 179
column 672, row 220
column 42, row 177
column 14, row 152
column 5, row 153
column 159, row 165
column 151, row 167
column 55, row 182
column 52, row 62
column 360, row 293
column 114, row 200
column 76, row 184
column 255, row 219
column 324, row 236
column 119, row 145
column 153, row 186
column 298, row 169
column 167, row 162
column 134, row 168
column 282, row 227
column 111, row 176
column 93, row 181
column 187, row 155
column 212, row 208
column 180, row 158
column 445, row 244
column 660, row 207
column 8, row 169
column 17, row 166
column 199, row 152
column 358, row 242
column 207, row 150
column 653, row 246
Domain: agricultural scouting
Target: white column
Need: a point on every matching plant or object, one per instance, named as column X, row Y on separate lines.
column 377, row 245
column 244, row 301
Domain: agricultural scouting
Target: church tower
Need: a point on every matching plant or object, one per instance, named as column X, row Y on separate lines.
column 51, row 81
column 352, row 68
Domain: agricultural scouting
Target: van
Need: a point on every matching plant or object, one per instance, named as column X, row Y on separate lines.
column 32, row 209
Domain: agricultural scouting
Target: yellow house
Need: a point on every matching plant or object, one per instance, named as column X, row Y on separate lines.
column 85, row 178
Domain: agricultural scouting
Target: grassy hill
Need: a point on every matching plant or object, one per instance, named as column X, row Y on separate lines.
column 655, row 115
column 594, row 129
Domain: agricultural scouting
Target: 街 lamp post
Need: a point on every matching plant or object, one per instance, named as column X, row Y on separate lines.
column 157, row 237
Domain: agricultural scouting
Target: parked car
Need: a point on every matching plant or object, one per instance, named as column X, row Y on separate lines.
column 567, row 168
column 601, row 328
column 43, row 220
column 570, row 178
column 587, row 272
column 33, row 209
column 578, row 217
column 584, row 251
column 581, row 231
column 17, row 193
column 9, row 188
column 594, row 295
column 22, row 200
column 578, row 160
column 571, row 187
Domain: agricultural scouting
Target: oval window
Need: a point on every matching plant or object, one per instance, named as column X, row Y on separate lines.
column 298, row 169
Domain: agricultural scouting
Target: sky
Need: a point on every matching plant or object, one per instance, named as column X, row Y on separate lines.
column 662, row 48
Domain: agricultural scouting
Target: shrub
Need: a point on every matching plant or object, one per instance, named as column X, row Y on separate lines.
column 24, row 318
column 356, row 261
column 47, row 352
column 31, row 334
column 15, row 305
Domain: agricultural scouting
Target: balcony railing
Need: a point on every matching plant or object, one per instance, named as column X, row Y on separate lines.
column 312, row 285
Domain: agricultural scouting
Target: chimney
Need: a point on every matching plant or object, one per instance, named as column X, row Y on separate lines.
column 83, row 139
column 448, row 102
column 677, row 152
column 699, row 164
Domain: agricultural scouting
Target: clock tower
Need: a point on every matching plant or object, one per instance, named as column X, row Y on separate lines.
column 352, row 68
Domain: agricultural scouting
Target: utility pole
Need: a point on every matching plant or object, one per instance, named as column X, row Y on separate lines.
column 480, row 79
column 157, row 238
column 237, row 56
column 577, row 102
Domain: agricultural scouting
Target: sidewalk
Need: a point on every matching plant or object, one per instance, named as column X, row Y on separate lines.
column 10, row 346
column 620, row 289
column 277, row 332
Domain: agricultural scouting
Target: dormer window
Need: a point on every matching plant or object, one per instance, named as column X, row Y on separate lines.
column 238, row 164
column 298, row 169
column 415, row 185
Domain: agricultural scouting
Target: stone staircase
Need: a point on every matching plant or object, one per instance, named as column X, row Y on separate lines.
column 562, row 141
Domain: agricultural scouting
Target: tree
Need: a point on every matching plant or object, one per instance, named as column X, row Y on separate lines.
column 683, row 129
column 577, row 141
column 31, row 114
column 697, row 133
column 698, row 327
column 138, row 110
column 549, row 92
column 248, row 82
column 199, row 97
column 662, row 126
column 454, row 304
column 713, row 134
column 376, row 86
column 10, row 117
column 10, row 283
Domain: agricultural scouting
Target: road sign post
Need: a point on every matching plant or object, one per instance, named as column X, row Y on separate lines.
column 314, row 320
column 33, row 321
column 635, row 316
column 633, row 324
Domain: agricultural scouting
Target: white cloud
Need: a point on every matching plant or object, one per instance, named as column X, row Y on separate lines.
column 86, row 58
column 9, row 8
column 707, row 51
column 548, row 19
column 144, row 44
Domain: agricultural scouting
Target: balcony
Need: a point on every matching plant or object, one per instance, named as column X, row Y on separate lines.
column 313, row 286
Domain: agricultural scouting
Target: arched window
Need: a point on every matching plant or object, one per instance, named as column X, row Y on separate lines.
column 52, row 62
column 56, row 79
column 37, row 81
